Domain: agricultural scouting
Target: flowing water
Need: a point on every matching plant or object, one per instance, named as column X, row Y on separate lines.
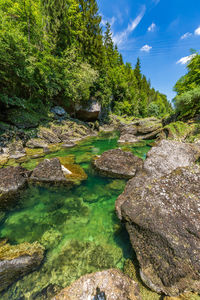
column 77, row 226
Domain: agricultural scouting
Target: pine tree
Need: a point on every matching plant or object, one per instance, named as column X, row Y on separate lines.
column 91, row 39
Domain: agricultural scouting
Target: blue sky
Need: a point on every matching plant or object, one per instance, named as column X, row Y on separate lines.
column 160, row 32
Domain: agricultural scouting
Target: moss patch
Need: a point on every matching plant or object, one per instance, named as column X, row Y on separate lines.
column 9, row 252
column 131, row 269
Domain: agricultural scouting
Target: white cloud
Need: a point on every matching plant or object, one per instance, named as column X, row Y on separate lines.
column 146, row 48
column 186, row 59
column 197, row 31
column 186, row 35
column 104, row 20
column 152, row 27
column 121, row 37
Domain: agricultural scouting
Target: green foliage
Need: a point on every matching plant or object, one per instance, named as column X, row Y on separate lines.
column 54, row 52
column 187, row 101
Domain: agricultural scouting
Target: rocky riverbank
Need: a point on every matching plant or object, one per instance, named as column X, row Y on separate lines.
column 164, row 189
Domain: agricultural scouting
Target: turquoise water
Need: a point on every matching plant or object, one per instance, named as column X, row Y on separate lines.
column 77, row 226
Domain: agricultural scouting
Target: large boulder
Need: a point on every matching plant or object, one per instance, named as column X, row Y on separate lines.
column 163, row 220
column 110, row 284
column 17, row 261
column 56, row 171
column 118, row 164
column 89, row 111
column 161, row 160
column 12, row 180
column 49, row 170
column 169, row 155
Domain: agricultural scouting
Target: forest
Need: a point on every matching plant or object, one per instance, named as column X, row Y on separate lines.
column 55, row 52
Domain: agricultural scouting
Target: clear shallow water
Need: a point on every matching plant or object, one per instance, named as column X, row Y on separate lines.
column 78, row 226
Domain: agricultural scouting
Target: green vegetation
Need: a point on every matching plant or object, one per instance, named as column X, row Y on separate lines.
column 55, row 52
column 187, row 101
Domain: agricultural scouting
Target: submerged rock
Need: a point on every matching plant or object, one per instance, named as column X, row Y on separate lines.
column 118, row 164
column 17, row 261
column 161, row 160
column 163, row 221
column 110, row 284
column 12, row 179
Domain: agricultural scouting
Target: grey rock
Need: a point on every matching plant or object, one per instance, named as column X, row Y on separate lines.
column 12, row 180
column 49, row 170
column 163, row 220
column 110, row 284
column 58, row 110
column 118, row 164
column 36, row 143
column 161, row 160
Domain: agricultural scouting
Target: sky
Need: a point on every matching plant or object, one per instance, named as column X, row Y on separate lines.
column 160, row 32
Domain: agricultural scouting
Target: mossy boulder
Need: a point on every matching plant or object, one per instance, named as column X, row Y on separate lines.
column 144, row 129
column 162, row 218
column 177, row 131
column 108, row 284
column 48, row 135
column 17, row 261
column 36, row 143
column 12, row 180
column 117, row 164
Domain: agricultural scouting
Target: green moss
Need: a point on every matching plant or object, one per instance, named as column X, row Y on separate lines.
column 178, row 130
column 36, row 152
column 131, row 269
column 9, row 252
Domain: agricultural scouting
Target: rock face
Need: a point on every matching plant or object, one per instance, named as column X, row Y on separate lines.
column 161, row 160
column 169, row 155
column 118, row 164
column 90, row 112
column 12, row 179
column 110, row 284
column 145, row 129
column 17, row 261
column 163, row 220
